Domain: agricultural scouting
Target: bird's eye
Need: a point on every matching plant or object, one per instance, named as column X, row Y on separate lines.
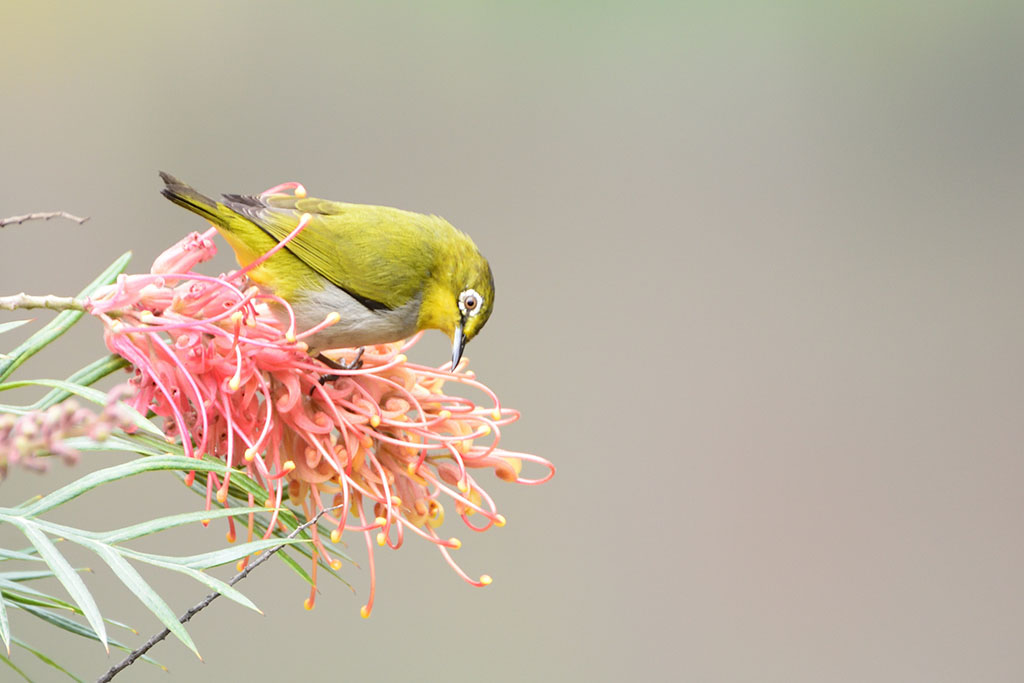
column 470, row 302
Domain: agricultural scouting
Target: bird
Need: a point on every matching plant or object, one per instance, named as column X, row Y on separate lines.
column 387, row 273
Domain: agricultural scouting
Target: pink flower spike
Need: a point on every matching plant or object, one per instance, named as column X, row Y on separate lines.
column 386, row 441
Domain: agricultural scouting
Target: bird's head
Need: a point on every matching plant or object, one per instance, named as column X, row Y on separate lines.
column 459, row 295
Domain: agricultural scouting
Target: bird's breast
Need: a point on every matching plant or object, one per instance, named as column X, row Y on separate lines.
column 359, row 326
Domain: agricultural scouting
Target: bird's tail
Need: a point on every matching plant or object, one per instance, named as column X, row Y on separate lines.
column 188, row 197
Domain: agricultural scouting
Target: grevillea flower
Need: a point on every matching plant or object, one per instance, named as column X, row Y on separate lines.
column 26, row 438
column 385, row 442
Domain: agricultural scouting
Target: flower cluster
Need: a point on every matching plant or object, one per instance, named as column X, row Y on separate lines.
column 26, row 439
column 386, row 444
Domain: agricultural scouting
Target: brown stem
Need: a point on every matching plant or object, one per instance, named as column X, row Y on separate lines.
column 157, row 637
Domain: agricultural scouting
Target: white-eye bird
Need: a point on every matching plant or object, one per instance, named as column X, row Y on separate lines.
column 388, row 273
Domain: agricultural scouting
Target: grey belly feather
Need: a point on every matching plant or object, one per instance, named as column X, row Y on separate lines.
column 359, row 326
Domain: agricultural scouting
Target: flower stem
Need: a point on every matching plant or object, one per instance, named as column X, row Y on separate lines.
column 42, row 216
column 54, row 303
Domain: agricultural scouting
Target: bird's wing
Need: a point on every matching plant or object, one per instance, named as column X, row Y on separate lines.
column 380, row 256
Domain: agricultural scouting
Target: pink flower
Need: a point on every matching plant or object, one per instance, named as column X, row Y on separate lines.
column 386, row 442
column 25, row 439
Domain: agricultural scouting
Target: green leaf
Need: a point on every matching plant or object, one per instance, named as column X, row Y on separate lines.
column 128, row 469
column 217, row 557
column 46, row 660
column 9, row 663
column 66, row 574
column 60, row 324
column 86, row 376
column 28, row 575
column 5, row 626
column 134, row 582
column 17, row 555
column 13, row 325
column 74, row 627
column 143, row 528
column 296, row 567
column 222, row 587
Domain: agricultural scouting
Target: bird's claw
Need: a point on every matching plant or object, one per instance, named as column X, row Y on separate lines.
column 355, row 364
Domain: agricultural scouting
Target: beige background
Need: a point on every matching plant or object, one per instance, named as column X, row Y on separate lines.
column 759, row 294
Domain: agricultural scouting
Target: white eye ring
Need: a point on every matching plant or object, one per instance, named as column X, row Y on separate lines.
column 470, row 302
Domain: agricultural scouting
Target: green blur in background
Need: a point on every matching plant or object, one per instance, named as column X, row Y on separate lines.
column 758, row 275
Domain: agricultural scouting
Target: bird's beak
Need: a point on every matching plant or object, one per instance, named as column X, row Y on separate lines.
column 458, row 344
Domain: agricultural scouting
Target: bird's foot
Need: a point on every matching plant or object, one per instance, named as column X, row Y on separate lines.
column 356, row 363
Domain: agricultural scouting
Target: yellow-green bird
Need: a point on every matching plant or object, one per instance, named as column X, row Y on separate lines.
column 388, row 273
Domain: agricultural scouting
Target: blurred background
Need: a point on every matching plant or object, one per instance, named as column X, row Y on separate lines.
column 759, row 281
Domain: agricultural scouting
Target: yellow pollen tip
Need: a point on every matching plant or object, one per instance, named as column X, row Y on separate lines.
column 240, row 565
column 289, row 337
column 234, row 383
column 462, row 485
column 236, row 317
column 335, row 536
column 454, row 543
column 332, row 317
column 380, row 521
column 289, row 466
column 499, row 520
column 205, row 522
column 396, row 500
column 381, row 538
column 364, row 612
column 230, row 536
column 300, row 191
column 305, row 218
column 335, row 564
column 302, row 346
column 486, row 579
column 250, row 454
column 485, row 430
column 496, row 415
column 444, row 414
column 375, row 421
column 222, row 495
column 308, row 604
column 411, row 468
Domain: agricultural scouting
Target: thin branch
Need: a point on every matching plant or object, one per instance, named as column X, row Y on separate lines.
column 56, row 303
column 43, row 216
column 156, row 638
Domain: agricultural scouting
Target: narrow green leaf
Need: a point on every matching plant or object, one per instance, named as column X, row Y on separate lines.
column 17, row 555
column 74, row 627
column 5, row 626
column 61, row 323
column 171, row 521
column 86, row 376
column 19, row 595
column 128, row 469
column 217, row 557
column 222, row 587
column 13, row 325
column 46, row 660
column 134, row 582
column 66, row 574
column 28, row 575
column 296, row 567
column 141, row 529
column 9, row 663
